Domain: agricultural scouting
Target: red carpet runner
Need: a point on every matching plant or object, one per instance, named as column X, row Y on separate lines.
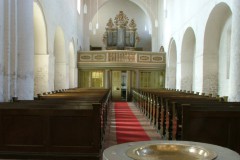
column 128, row 128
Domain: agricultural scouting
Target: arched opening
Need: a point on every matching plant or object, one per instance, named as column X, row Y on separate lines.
column 60, row 69
column 171, row 65
column 41, row 59
column 188, row 52
column 132, row 10
column 211, row 57
column 72, row 65
column 224, row 58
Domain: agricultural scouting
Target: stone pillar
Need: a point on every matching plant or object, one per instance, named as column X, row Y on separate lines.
column 234, row 92
column 1, row 50
column 25, row 82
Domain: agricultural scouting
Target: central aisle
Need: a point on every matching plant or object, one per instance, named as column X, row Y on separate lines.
column 128, row 128
column 110, row 137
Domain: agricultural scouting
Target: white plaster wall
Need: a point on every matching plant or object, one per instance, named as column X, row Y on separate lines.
column 41, row 58
column 184, row 14
column 62, row 13
column 188, row 51
column 224, row 59
column 110, row 10
column 180, row 16
column 60, row 76
column 215, row 25
column 71, row 66
column 51, row 73
column 234, row 87
column 171, row 66
column 25, row 47
column 1, row 49
column 41, row 76
column 7, row 50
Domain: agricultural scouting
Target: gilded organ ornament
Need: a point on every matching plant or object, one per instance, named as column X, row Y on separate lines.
column 121, row 20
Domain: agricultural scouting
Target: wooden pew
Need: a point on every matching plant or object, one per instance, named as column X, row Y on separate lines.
column 64, row 128
column 212, row 124
column 167, row 108
column 153, row 104
column 171, row 121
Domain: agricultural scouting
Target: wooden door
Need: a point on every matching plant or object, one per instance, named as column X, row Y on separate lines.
column 116, row 85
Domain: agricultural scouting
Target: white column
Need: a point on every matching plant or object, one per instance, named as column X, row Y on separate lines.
column 14, row 49
column 25, row 82
column 42, row 80
column 1, row 50
column 234, row 92
column 60, row 79
column 7, row 50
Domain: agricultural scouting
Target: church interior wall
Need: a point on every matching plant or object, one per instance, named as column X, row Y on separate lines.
column 41, row 57
column 27, row 65
column 211, row 59
column 64, row 15
column 22, row 49
column 60, row 70
column 1, row 49
column 196, row 15
column 215, row 24
column 72, row 65
column 187, row 55
column 224, row 58
column 171, row 66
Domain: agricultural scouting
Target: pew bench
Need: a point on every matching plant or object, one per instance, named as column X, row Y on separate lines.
column 65, row 125
column 43, row 132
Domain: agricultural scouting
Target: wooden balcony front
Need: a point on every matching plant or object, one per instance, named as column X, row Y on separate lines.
column 122, row 59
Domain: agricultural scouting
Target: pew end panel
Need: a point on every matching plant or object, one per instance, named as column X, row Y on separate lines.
column 212, row 124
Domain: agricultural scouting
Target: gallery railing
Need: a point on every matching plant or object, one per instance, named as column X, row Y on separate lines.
column 121, row 59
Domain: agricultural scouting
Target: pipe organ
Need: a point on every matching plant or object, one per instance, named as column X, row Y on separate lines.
column 120, row 35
